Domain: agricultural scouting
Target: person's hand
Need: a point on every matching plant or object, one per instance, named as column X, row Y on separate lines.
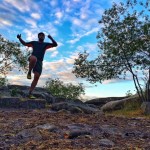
column 19, row 36
column 49, row 36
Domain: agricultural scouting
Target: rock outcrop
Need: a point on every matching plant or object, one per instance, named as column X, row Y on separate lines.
column 102, row 101
column 22, row 103
column 146, row 108
column 116, row 105
column 15, row 96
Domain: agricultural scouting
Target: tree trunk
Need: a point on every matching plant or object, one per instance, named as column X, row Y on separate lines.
column 148, row 87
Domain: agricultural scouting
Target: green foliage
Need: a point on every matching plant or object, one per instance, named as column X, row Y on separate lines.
column 11, row 56
column 59, row 89
column 132, row 105
column 124, row 42
column 131, row 109
column 14, row 91
column 3, row 81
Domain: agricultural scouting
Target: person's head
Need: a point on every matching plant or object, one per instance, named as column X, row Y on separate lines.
column 41, row 36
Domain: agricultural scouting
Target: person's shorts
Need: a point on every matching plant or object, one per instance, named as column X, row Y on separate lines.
column 38, row 66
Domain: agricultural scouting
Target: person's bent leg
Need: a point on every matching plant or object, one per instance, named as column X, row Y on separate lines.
column 34, row 82
column 32, row 62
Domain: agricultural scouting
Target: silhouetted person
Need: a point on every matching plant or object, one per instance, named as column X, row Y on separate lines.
column 36, row 58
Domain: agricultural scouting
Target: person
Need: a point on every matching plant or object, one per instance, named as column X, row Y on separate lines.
column 36, row 58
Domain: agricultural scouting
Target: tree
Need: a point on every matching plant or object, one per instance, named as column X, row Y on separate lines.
column 59, row 89
column 124, row 42
column 11, row 57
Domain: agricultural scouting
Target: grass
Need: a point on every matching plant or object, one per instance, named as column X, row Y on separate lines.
column 131, row 109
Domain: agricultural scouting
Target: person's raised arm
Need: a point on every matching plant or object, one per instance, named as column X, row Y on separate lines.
column 21, row 40
column 54, row 43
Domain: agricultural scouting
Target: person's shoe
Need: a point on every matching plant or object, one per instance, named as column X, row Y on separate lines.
column 31, row 96
column 29, row 75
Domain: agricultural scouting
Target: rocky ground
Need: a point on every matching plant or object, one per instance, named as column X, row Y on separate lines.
column 50, row 123
column 44, row 129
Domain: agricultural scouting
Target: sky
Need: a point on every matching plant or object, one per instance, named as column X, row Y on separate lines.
column 74, row 25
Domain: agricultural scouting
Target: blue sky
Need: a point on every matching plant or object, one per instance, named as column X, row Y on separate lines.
column 73, row 24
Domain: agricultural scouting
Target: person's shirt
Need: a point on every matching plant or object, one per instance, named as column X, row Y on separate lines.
column 39, row 48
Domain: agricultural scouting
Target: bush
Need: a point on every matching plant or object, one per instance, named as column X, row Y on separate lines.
column 3, row 81
column 129, row 93
column 59, row 89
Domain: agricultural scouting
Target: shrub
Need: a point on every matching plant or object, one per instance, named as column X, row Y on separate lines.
column 3, row 81
column 59, row 89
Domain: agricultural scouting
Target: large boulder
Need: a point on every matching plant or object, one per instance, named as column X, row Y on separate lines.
column 62, row 99
column 10, row 102
column 101, row 101
column 15, row 102
column 146, row 108
column 116, row 105
column 74, row 107
column 22, row 92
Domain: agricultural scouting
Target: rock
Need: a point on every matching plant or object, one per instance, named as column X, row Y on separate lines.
column 32, row 104
column 48, row 127
column 93, row 106
column 76, row 110
column 4, row 91
column 101, row 101
column 116, row 105
column 110, row 130
column 88, row 110
column 60, row 99
column 106, row 143
column 10, row 102
column 132, row 134
column 22, row 92
column 45, row 95
column 75, row 133
column 28, row 134
column 146, row 108
column 73, row 107
column 76, row 126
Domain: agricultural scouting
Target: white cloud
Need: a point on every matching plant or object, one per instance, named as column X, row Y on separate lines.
column 36, row 15
column 90, row 48
column 22, row 5
column 51, row 49
column 30, row 35
column 93, row 22
column 99, row 11
column 54, row 66
column 70, row 60
column 77, row 22
column 83, row 16
column 59, row 14
column 31, row 22
column 92, row 31
column 6, row 7
column 48, row 28
column 5, row 22
column 53, row 3
column 85, row 10
column 67, row 76
column 54, row 54
column 77, row 0
column 83, row 35
column 18, row 79
column 67, row 6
